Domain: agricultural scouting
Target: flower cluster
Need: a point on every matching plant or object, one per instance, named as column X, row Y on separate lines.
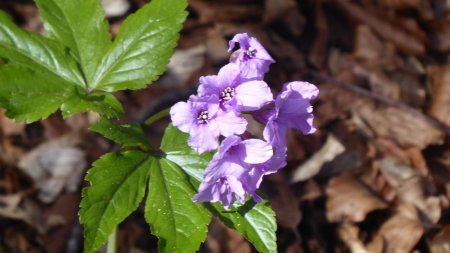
column 213, row 119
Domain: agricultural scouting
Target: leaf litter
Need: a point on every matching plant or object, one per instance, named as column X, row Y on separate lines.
column 382, row 185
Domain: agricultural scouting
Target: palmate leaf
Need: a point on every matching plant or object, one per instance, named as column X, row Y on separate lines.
column 102, row 103
column 255, row 221
column 180, row 224
column 117, row 187
column 126, row 135
column 36, row 52
column 142, row 47
column 23, row 99
column 81, row 26
column 118, row 183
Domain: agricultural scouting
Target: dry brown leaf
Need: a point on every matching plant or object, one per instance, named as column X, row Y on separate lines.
column 349, row 200
column 222, row 239
column 440, row 34
column 115, row 8
column 421, row 6
column 402, row 39
column 183, row 63
column 439, row 79
column 440, row 243
column 283, row 201
column 319, row 51
column 367, row 45
column 55, row 165
column 349, row 233
column 411, row 187
column 211, row 12
column 312, row 166
column 403, row 127
column 9, row 127
column 16, row 207
column 277, row 9
column 399, row 234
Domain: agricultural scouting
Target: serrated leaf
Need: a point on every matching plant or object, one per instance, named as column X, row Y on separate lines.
column 179, row 223
column 36, row 52
column 118, row 183
column 142, row 47
column 126, row 135
column 174, row 144
column 23, row 99
column 102, row 103
column 81, row 26
column 255, row 221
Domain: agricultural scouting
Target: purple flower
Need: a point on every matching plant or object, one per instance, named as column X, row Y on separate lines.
column 252, row 58
column 231, row 174
column 292, row 109
column 203, row 119
column 234, row 92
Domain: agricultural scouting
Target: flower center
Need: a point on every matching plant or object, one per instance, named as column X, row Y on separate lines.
column 227, row 94
column 203, row 117
column 250, row 53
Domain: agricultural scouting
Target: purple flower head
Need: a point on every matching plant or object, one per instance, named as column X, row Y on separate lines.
column 234, row 92
column 292, row 109
column 203, row 119
column 230, row 175
column 252, row 58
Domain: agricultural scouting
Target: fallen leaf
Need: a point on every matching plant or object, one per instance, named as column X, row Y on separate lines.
column 329, row 151
column 440, row 243
column 349, row 233
column 402, row 39
column 55, row 165
column 349, row 200
column 399, row 234
column 411, row 187
column 399, row 125
column 439, row 79
column 115, row 8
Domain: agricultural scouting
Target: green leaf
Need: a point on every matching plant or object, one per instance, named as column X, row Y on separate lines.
column 127, row 135
column 23, row 99
column 118, row 183
column 103, row 103
column 36, row 52
column 180, row 224
column 256, row 222
column 81, row 26
column 174, row 144
column 142, row 47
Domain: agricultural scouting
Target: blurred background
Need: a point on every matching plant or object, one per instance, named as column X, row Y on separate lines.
column 374, row 178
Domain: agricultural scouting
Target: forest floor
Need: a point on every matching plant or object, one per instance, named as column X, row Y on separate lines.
column 374, row 178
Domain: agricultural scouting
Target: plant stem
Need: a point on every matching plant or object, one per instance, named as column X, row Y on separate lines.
column 112, row 242
column 158, row 116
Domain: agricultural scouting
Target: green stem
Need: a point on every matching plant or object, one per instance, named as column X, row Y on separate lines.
column 112, row 242
column 158, row 116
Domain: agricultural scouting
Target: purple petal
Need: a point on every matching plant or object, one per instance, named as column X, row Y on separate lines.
column 307, row 90
column 252, row 181
column 228, row 75
column 242, row 39
column 253, row 95
column 230, row 123
column 209, row 86
column 261, row 51
column 256, row 151
column 204, row 137
column 181, row 115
